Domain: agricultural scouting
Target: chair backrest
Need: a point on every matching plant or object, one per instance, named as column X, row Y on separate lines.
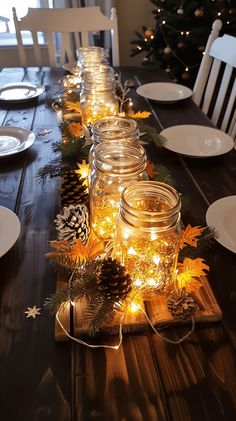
column 82, row 21
column 215, row 87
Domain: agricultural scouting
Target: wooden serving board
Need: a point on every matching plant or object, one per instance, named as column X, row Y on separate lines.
column 156, row 309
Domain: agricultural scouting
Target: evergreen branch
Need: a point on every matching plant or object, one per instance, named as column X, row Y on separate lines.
column 57, row 299
column 149, row 134
column 163, row 175
column 101, row 311
column 53, row 169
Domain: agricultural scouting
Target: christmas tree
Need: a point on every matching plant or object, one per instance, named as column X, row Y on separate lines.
column 177, row 39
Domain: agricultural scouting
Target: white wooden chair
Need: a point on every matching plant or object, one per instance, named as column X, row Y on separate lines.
column 81, row 21
column 215, row 87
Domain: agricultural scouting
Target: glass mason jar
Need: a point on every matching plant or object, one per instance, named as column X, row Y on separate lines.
column 98, row 98
column 148, row 234
column 115, row 167
column 89, row 56
column 112, row 130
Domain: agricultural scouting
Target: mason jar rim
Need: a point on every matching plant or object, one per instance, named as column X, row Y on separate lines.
column 162, row 220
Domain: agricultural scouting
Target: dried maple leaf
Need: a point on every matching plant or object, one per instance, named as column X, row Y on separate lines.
column 62, row 247
column 89, row 251
column 73, row 106
column 150, row 169
column 140, row 114
column 189, row 269
column 76, row 129
column 189, row 234
column 78, row 252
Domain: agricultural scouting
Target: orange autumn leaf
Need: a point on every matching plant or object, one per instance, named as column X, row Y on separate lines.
column 73, row 106
column 140, row 114
column 150, row 169
column 189, row 234
column 76, row 129
column 78, row 252
column 62, row 247
column 190, row 268
column 89, row 251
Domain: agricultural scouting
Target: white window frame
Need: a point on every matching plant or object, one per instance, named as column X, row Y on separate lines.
column 9, row 40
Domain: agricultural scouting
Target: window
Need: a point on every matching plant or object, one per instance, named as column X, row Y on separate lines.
column 7, row 29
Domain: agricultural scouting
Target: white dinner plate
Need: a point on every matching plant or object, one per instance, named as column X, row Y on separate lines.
column 70, row 67
column 164, row 92
column 9, row 229
column 14, row 140
column 221, row 216
column 197, row 141
column 21, row 91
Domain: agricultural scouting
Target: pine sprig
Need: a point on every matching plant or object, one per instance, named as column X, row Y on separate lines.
column 51, row 170
column 163, row 175
column 100, row 311
column 149, row 134
column 54, row 301
column 83, row 283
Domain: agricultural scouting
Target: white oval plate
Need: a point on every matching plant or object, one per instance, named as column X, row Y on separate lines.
column 14, row 140
column 164, row 92
column 21, row 91
column 197, row 141
column 221, row 216
column 9, row 229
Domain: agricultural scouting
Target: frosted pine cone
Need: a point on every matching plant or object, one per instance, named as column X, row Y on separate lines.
column 73, row 223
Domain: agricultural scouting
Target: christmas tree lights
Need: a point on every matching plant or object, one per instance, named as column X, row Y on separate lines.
column 178, row 37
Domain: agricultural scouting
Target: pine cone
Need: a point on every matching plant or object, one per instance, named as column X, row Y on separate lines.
column 181, row 303
column 72, row 190
column 73, row 223
column 113, row 281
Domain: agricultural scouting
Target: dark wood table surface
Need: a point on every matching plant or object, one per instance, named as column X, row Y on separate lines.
column 147, row 378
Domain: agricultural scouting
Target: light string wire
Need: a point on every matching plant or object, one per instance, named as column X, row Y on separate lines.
column 117, row 346
column 171, row 341
column 174, row 54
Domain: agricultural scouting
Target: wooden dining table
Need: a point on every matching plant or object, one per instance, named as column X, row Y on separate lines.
column 147, row 378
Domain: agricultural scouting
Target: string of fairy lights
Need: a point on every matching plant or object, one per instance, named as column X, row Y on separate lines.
column 163, row 19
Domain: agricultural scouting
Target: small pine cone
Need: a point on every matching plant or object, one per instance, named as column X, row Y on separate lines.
column 181, row 303
column 72, row 190
column 113, row 281
column 73, row 223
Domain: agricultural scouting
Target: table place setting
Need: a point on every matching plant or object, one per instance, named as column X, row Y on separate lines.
column 164, row 92
column 197, row 141
column 14, row 140
column 20, row 92
column 9, row 229
column 221, row 216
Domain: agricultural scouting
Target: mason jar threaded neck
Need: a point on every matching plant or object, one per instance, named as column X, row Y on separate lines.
column 119, row 159
column 151, row 204
column 114, row 128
